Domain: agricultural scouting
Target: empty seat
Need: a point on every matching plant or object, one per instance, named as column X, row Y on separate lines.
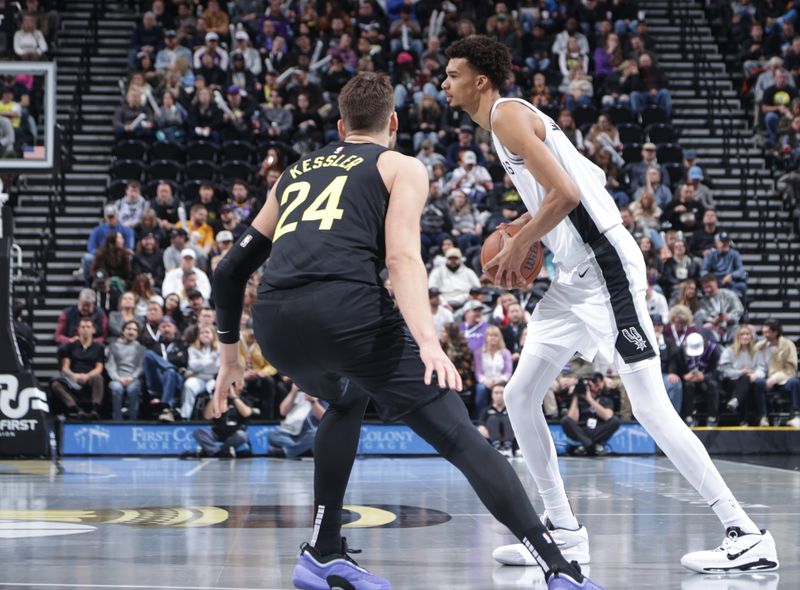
column 632, row 153
column 164, row 170
column 130, row 149
column 127, row 170
column 652, row 115
column 584, row 115
column 200, row 170
column 620, row 115
column 238, row 150
column 669, row 153
column 116, row 189
column 202, row 150
column 237, row 169
column 675, row 171
column 167, row 150
column 629, row 133
column 662, row 133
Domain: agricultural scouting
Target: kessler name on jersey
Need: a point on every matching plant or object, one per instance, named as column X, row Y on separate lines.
column 340, row 161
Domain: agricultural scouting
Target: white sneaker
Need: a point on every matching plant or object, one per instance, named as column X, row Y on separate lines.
column 574, row 546
column 794, row 422
column 764, row 421
column 738, row 553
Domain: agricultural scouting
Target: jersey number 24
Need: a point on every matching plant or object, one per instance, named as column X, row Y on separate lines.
column 324, row 208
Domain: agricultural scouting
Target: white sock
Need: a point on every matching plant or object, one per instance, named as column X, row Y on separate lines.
column 653, row 410
column 524, row 393
column 558, row 509
column 731, row 514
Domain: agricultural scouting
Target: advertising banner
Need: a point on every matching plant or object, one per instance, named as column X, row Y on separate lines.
column 23, row 411
column 376, row 439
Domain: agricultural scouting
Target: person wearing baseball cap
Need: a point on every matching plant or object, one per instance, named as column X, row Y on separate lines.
column 699, row 363
column 219, row 55
column 224, row 244
column 466, row 141
column 638, row 171
column 252, row 60
column 229, row 221
column 702, row 192
column 441, row 314
column 172, row 50
column 725, row 263
column 162, row 363
column 179, row 240
column 173, row 281
column 97, row 238
column 454, row 279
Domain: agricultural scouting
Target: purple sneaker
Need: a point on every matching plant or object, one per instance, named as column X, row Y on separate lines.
column 564, row 582
column 337, row 571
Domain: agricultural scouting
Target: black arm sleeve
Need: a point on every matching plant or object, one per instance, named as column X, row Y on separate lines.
column 230, row 280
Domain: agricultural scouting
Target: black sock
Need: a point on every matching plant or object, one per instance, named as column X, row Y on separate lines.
column 445, row 425
column 327, row 529
column 335, row 448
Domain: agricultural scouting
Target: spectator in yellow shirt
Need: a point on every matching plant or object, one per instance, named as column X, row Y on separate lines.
column 259, row 375
column 200, row 233
column 216, row 19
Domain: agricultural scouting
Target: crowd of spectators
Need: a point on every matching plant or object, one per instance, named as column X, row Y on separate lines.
column 207, row 80
column 28, row 30
column 765, row 39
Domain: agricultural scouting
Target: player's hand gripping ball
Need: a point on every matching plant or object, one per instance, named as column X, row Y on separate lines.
column 532, row 263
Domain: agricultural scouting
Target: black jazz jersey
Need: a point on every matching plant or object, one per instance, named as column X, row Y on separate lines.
column 332, row 211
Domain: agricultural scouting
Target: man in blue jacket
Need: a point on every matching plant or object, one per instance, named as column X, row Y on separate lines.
column 98, row 237
column 725, row 263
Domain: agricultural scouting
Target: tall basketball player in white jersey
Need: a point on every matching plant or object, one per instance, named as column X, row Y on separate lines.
column 596, row 304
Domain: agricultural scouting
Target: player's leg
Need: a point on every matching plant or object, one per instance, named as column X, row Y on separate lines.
column 324, row 560
column 335, row 448
column 392, row 372
column 284, row 327
column 636, row 359
column 651, row 407
column 538, row 368
column 445, row 425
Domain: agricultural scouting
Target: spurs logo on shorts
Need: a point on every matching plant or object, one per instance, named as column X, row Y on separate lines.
column 632, row 335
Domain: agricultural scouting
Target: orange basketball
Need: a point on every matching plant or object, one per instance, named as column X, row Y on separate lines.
column 530, row 268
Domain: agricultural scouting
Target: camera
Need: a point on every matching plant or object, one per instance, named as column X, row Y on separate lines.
column 580, row 386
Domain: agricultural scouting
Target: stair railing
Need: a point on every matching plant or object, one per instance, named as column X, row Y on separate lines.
column 720, row 115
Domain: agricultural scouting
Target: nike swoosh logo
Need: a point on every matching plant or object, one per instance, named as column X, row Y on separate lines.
column 582, row 274
column 223, row 332
column 742, row 552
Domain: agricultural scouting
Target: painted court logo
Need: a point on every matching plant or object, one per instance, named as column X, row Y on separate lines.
column 632, row 335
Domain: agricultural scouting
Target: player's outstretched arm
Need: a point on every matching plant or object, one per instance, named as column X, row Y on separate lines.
column 230, row 281
column 519, row 129
column 408, row 191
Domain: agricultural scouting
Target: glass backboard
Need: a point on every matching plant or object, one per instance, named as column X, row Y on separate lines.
column 27, row 116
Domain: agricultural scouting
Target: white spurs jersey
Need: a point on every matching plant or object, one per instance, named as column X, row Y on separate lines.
column 570, row 241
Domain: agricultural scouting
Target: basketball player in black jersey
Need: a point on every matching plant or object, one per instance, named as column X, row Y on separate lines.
column 323, row 318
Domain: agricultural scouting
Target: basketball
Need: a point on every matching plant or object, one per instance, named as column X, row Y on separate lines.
column 530, row 268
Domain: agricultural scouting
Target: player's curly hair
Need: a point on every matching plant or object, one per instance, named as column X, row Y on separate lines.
column 487, row 56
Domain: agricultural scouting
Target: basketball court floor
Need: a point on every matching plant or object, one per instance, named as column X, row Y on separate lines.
column 190, row 525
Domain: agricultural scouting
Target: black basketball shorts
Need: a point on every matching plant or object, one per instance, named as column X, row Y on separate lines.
column 325, row 331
